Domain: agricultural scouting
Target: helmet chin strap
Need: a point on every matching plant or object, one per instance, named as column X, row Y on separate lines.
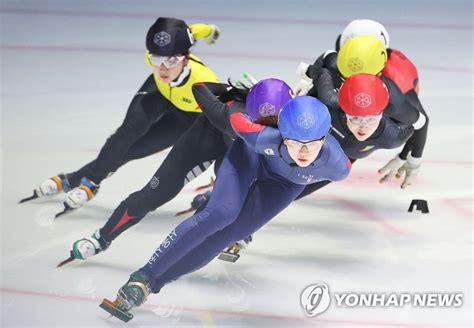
column 184, row 74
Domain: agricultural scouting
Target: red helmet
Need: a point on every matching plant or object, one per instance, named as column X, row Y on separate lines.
column 363, row 95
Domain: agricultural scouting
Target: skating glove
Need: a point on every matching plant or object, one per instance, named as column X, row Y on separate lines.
column 305, row 84
column 396, row 167
column 213, row 35
column 411, row 169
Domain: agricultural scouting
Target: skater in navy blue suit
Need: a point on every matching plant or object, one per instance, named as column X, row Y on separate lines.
column 261, row 174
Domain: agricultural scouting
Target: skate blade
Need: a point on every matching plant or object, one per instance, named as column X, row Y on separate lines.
column 66, row 210
column 184, row 212
column 113, row 309
column 228, row 256
column 209, row 185
column 27, row 199
column 66, row 261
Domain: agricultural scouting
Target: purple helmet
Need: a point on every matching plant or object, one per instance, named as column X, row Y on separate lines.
column 267, row 97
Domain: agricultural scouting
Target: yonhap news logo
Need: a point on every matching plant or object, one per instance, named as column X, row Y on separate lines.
column 316, row 299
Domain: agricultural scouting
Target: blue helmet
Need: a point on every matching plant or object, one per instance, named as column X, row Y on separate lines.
column 304, row 118
column 267, row 97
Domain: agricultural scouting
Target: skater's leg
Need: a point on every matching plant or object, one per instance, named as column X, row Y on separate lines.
column 146, row 107
column 265, row 200
column 192, row 154
column 164, row 133
column 161, row 135
column 238, row 171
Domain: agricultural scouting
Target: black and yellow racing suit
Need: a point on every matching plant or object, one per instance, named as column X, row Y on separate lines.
column 204, row 142
column 157, row 116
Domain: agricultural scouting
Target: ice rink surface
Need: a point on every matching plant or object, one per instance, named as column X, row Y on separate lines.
column 69, row 70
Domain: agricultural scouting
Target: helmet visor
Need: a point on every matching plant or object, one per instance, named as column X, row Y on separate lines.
column 168, row 61
column 367, row 120
column 310, row 145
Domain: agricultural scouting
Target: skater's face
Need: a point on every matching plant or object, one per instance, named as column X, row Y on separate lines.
column 304, row 152
column 362, row 127
column 167, row 69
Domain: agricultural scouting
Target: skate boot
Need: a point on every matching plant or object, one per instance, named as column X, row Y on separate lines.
column 50, row 187
column 86, row 247
column 133, row 294
column 197, row 202
column 231, row 254
column 77, row 197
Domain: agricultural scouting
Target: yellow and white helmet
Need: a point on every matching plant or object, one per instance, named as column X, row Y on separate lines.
column 361, row 54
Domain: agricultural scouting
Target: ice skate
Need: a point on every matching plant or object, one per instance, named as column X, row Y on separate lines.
column 77, row 197
column 116, row 309
column 133, row 294
column 231, row 254
column 49, row 187
column 86, row 247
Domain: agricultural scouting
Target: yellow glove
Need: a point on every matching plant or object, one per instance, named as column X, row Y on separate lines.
column 209, row 32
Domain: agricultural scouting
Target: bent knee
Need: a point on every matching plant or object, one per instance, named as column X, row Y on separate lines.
column 217, row 218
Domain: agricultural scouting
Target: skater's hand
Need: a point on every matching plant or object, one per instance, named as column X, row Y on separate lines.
column 302, row 87
column 251, row 79
column 411, row 169
column 301, row 70
column 305, row 84
column 214, row 35
column 390, row 169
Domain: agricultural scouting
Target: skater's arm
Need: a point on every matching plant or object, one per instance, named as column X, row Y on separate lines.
column 395, row 134
column 309, row 189
column 326, row 60
column 408, row 162
column 338, row 163
column 209, row 32
column 216, row 111
column 246, row 129
column 416, row 143
column 313, row 70
column 327, row 92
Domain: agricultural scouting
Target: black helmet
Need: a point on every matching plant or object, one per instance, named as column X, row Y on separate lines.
column 169, row 37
